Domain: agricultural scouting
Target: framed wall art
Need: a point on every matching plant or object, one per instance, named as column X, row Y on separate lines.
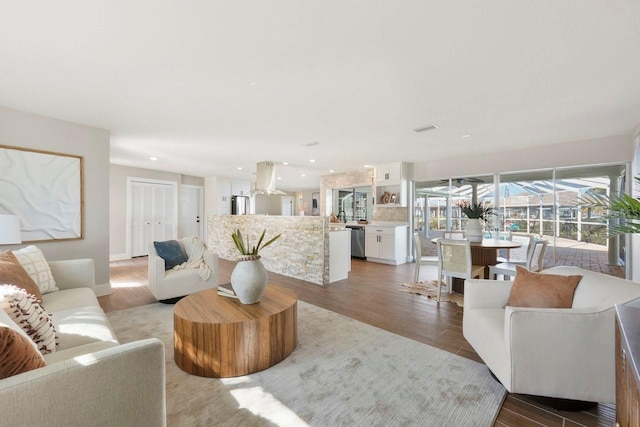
column 45, row 190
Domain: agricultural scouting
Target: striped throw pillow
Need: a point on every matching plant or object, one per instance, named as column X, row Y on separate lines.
column 26, row 312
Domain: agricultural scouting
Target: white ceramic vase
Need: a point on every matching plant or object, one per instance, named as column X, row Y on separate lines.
column 249, row 279
column 474, row 231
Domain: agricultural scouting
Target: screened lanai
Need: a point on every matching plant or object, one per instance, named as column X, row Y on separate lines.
column 543, row 202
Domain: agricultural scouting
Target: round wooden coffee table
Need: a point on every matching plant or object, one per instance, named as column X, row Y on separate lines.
column 216, row 336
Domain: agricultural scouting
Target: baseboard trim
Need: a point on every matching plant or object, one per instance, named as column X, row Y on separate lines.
column 118, row 257
column 102, row 290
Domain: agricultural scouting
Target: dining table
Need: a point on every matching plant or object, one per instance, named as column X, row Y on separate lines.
column 483, row 253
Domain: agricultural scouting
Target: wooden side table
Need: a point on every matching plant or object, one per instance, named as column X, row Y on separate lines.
column 218, row 337
column 627, row 364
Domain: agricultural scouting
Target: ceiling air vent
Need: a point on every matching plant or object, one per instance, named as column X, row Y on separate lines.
column 426, row 128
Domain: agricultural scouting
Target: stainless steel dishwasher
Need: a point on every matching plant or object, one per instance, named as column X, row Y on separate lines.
column 357, row 241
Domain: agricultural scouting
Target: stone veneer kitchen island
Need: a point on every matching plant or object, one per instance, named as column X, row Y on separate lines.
column 309, row 248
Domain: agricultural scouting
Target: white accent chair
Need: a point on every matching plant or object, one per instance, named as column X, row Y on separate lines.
column 167, row 286
column 558, row 353
column 421, row 259
column 454, row 260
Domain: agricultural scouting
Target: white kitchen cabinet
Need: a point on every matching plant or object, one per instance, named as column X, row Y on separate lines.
column 393, row 178
column 223, row 196
column 386, row 244
column 240, row 188
column 339, row 254
column 389, row 174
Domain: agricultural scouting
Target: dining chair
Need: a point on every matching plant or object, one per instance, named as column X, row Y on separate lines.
column 456, row 235
column 508, row 268
column 421, row 259
column 504, row 235
column 454, row 260
column 519, row 255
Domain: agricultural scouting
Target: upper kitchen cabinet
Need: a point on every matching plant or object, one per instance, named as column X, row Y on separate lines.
column 240, row 188
column 392, row 184
column 389, row 174
column 223, row 198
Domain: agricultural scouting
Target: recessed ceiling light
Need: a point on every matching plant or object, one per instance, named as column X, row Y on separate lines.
column 425, row 128
column 312, row 160
column 303, row 175
column 367, row 166
column 331, row 171
column 153, row 158
column 239, row 168
column 466, row 135
column 279, row 177
column 285, row 163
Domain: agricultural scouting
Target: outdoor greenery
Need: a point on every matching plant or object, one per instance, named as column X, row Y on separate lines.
column 621, row 207
column 247, row 249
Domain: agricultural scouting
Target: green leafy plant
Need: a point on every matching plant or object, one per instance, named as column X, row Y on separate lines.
column 622, row 207
column 246, row 248
column 475, row 210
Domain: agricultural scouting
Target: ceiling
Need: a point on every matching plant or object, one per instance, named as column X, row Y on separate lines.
column 209, row 86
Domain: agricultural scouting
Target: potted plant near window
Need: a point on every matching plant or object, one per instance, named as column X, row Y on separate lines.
column 623, row 208
column 477, row 214
column 249, row 277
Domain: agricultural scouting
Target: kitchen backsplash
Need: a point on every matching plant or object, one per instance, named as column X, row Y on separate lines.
column 398, row 214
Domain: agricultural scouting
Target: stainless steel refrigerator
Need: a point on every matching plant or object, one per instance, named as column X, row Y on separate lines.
column 239, row 205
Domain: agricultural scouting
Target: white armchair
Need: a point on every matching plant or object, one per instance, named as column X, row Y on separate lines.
column 559, row 353
column 168, row 285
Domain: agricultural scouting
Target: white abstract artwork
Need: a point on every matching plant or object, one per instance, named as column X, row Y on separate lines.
column 44, row 190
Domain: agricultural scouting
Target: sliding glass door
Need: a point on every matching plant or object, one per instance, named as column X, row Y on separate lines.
column 542, row 202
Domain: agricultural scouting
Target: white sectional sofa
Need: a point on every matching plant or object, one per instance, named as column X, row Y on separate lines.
column 91, row 379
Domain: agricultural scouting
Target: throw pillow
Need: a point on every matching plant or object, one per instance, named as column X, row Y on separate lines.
column 27, row 313
column 32, row 259
column 17, row 355
column 12, row 273
column 542, row 290
column 171, row 252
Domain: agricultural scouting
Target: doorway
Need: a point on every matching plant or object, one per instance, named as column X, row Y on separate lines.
column 191, row 211
column 287, row 206
column 152, row 211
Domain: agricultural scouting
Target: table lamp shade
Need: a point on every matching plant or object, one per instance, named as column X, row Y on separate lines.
column 9, row 230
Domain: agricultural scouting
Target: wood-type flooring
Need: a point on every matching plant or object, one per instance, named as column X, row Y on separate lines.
column 371, row 295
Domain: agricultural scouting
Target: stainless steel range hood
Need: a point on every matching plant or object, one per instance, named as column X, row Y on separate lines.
column 266, row 179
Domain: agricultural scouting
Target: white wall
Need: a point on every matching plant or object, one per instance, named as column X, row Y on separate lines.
column 118, row 201
column 306, row 197
column 20, row 129
column 269, row 205
column 588, row 152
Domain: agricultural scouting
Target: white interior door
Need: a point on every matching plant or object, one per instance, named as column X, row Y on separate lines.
column 141, row 217
column 191, row 211
column 287, row 206
column 152, row 207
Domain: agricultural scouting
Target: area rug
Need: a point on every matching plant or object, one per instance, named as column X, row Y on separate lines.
column 342, row 373
column 430, row 290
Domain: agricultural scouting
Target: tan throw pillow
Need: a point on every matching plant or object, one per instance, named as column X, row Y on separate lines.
column 12, row 273
column 32, row 259
column 542, row 290
column 27, row 313
column 17, row 354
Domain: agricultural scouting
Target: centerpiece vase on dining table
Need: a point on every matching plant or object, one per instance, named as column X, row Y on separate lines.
column 474, row 231
column 249, row 279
